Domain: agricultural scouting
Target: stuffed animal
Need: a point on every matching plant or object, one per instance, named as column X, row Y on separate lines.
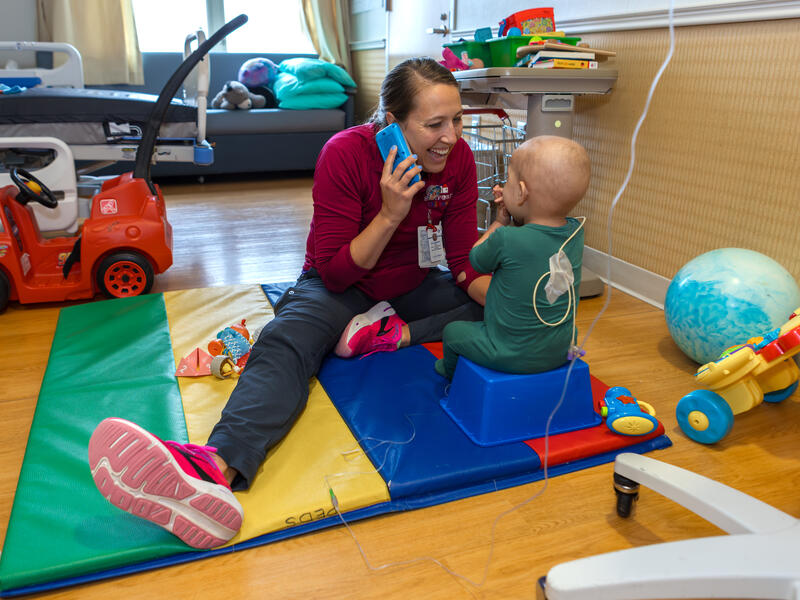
column 258, row 72
column 452, row 62
column 236, row 95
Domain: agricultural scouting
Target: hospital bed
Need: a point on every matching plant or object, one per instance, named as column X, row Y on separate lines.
column 56, row 121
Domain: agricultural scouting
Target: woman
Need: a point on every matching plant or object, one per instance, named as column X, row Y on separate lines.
column 367, row 285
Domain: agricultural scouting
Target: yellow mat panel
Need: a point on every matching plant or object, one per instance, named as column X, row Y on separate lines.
column 292, row 484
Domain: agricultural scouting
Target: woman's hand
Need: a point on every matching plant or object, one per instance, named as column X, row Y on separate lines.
column 395, row 191
column 367, row 247
column 503, row 217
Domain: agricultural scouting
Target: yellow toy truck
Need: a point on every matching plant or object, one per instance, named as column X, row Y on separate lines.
column 761, row 370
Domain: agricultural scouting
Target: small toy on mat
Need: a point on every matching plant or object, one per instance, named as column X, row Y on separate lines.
column 227, row 354
column 625, row 414
column 195, row 364
column 232, row 343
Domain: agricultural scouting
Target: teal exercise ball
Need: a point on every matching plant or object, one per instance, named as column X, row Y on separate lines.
column 725, row 297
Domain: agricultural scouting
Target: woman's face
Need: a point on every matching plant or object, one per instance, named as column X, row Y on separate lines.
column 434, row 125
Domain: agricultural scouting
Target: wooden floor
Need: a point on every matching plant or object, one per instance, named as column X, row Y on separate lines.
column 254, row 231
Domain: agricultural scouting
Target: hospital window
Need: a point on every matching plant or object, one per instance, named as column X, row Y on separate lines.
column 272, row 26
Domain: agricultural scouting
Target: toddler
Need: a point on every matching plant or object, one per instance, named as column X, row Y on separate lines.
column 523, row 331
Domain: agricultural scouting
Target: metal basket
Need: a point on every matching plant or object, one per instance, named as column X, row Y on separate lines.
column 492, row 140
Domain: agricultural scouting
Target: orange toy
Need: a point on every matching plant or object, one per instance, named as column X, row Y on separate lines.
column 122, row 245
column 230, row 350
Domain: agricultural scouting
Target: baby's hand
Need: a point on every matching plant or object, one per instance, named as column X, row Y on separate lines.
column 502, row 217
column 497, row 190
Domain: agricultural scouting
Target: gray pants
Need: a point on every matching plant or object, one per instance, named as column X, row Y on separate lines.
column 272, row 389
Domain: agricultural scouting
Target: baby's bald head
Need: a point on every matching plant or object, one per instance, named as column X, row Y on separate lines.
column 555, row 170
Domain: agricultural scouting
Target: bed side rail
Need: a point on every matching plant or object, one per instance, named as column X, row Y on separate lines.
column 70, row 74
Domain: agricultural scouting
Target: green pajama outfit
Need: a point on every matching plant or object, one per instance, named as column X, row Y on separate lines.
column 511, row 338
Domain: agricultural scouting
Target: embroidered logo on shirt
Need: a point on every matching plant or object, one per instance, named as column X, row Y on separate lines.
column 437, row 196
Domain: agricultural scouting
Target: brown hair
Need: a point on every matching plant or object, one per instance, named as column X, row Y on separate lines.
column 400, row 87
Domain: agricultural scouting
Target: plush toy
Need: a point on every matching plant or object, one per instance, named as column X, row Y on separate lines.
column 452, row 62
column 236, row 95
column 261, row 90
column 258, row 72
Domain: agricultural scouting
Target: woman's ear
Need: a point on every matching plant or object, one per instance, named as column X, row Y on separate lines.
column 390, row 118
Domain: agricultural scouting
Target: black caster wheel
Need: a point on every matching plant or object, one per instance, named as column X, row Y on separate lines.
column 540, row 587
column 627, row 492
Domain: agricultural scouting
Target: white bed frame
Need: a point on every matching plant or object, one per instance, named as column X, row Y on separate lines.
column 60, row 175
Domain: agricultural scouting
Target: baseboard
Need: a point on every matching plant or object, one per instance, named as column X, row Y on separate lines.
column 633, row 280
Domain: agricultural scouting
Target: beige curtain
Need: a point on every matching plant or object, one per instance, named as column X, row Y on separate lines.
column 103, row 31
column 327, row 23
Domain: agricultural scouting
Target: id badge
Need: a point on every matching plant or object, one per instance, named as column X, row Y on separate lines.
column 430, row 246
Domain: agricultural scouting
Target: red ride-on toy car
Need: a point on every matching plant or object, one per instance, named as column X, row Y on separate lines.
column 122, row 245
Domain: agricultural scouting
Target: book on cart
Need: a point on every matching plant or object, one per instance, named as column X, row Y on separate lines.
column 563, row 63
column 550, row 45
column 550, row 54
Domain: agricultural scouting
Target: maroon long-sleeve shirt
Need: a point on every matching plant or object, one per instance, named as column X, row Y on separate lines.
column 347, row 196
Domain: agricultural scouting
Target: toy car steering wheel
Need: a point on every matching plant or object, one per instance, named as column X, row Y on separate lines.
column 27, row 192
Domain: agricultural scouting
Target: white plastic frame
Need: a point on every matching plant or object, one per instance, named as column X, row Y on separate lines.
column 70, row 74
column 760, row 559
column 59, row 176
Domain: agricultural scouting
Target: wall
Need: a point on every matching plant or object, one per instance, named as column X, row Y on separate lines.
column 369, row 34
column 17, row 20
column 613, row 15
column 18, row 24
column 717, row 156
column 369, row 69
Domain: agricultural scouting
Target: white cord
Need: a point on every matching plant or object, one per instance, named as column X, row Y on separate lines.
column 572, row 305
column 632, row 162
column 569, row 369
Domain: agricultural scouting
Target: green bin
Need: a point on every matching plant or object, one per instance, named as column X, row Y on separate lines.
column 504, row 50
column 473, row 50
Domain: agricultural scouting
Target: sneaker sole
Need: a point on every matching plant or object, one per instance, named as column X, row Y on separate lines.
column 375, row 313
column 134, row 471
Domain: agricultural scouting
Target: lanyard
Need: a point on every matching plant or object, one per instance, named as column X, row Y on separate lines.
column 430, row 225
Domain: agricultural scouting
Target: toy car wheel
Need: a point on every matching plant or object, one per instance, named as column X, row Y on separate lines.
column 125, row 274
column 5, row 291
column 704, row 416
column 780, row 395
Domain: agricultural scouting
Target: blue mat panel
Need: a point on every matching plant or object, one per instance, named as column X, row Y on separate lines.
column 274, row 291
column 390, row 400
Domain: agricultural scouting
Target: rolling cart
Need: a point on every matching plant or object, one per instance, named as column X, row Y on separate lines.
column 492, row 138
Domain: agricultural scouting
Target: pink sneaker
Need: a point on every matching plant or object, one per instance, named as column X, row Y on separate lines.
column 377, row 330
column 176, row 486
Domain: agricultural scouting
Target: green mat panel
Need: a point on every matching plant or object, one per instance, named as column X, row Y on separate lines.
column 109, row 358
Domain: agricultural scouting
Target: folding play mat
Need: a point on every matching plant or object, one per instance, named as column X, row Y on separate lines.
column 373, row 432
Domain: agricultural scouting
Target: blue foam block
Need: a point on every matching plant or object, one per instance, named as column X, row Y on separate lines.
column 494, row 408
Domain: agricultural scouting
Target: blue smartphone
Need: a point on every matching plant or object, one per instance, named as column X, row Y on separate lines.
column 390, row 136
